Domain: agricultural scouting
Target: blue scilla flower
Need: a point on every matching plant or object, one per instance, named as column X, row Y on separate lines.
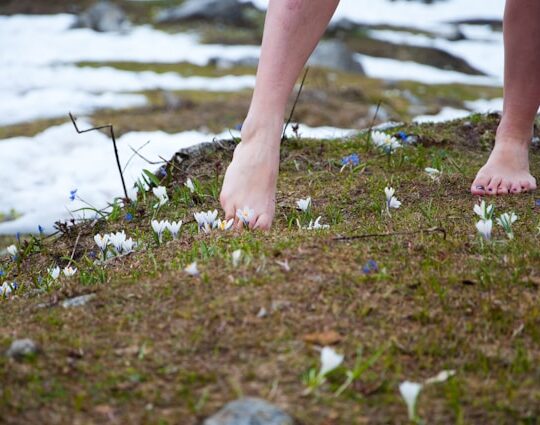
column 537, row 202
column 128, row 217
column 162, row 171
column 1, row 273
column 370, row 267
column 403, row 136
column 72, row 194
column 40, row 229
column 352, row 159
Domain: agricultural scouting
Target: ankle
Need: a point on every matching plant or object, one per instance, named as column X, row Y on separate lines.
column 265, row 130
column 509, row 133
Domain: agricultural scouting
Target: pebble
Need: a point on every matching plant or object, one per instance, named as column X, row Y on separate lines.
column 21, row 348
column 250, row 411
column 78, row 301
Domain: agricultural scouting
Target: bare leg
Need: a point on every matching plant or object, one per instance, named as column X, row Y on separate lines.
column 292, row 30
column 507, row 170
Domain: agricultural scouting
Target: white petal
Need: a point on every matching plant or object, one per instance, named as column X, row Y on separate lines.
column 410, row 391
column 329, row 360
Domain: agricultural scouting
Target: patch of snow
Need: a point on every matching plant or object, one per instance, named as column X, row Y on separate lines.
column 446, row 114
column 392, row 69
column 484, row 54
column 38, row 79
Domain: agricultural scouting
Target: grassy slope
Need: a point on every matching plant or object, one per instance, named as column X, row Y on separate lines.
column 158, row 346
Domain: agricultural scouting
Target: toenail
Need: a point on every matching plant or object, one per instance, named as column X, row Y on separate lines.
column 480, row 187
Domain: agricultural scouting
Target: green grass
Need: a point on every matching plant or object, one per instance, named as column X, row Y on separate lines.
column 157, row 345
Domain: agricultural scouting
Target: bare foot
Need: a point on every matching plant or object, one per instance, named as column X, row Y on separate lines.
column 251, row 178
column 506, row 171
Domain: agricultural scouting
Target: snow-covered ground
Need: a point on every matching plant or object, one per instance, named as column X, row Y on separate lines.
column 39, row 79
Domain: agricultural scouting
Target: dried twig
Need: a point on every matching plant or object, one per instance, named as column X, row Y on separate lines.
column 134, row 154
column 382, row 235
column 74, row 248
column 294, row 104
column 111, row 130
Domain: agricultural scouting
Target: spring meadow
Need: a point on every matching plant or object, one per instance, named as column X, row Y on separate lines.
column 384, row 292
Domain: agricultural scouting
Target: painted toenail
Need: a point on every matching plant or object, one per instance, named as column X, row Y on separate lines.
column 480, row 187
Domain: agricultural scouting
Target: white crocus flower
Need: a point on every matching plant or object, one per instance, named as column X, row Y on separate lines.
column 5, row 289
column 484, row 211
column 505, row 221
column 128, row 246
column 384, row 141
column 54, row 272
column 245, row 215
column 330, row 360
column 159, row 227
column 69, row 271
column 117, row 240
column 394, row 203
column 211, row 217
column 102, row 241
column 391, row 201
column 206, row 218
column 192, row 269
column 12, row 250
column 389, row 192
column 200, row 218
column 410, row 391
column 189, row 184
column 485, row 227
column 223, row 224
column 317, row 224
column 236, row 257
column 304, row 204
column 161, row 193
column 174, row 228
column 440, row 377
column 433, row 173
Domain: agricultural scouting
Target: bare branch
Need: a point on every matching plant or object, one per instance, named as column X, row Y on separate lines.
column 111, row 130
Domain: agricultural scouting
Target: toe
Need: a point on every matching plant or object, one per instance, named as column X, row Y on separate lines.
column 516, row 188
column 493, row 185
column 479, row 185
column 525, row 185
column 504, row 188
column 264, row 222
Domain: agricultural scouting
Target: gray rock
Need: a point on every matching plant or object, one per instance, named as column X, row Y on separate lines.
column 334, row 54
column 250, row 411
column 103, row 17
column 21, row 348
column 222, row 63
column 78, row 301
column 225, row 11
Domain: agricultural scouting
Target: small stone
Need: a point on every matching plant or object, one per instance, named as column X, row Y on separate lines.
column 103, row 16
column 334, row 54
column 78, row 301
column 250, row 411
column 262, row 313
column 21, row 348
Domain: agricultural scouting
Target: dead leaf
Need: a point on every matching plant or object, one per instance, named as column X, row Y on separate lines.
column 323, row 338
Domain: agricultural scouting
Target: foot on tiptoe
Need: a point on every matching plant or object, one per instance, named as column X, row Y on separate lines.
column 251, row 178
